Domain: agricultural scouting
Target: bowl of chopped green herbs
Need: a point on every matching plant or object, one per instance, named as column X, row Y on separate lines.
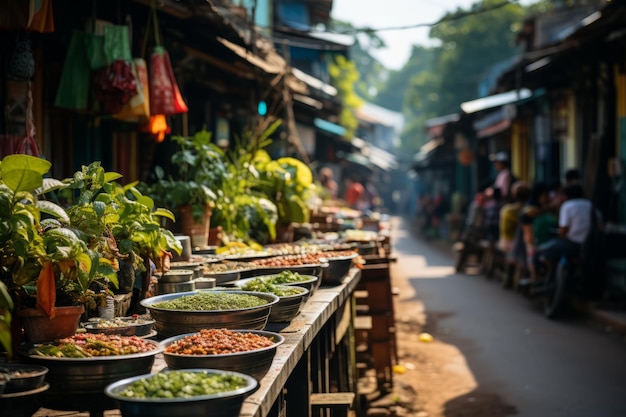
column 287, row 277
column 183, row 393
column 290, row 298
column 192, row 311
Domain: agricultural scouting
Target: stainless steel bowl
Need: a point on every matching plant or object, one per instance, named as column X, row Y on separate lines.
column 22, row 403
column 78, row 383
column 176, row 275
column 310, row 282
column 338, row 268
column 128, row 326
column 223, row 277
column 174, row 322
column 308, row 269
column 254, row 362
column 174, row 287
column 226, row 404
column 288, row 307
column 204, row 283
column 196, row 267
column 23, row 376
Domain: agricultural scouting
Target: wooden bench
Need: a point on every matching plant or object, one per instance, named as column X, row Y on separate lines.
column 339, row 403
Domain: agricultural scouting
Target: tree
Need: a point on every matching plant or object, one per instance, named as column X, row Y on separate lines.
column 344, row 75
column 469, row 47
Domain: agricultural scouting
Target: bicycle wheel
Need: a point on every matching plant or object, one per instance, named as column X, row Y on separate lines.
column 555, row 290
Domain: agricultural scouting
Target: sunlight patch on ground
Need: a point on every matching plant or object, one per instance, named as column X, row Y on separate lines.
column 418, row 265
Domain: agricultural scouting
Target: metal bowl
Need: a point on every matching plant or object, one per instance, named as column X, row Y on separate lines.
column 128, row 326
column 23, row 376
column 174, row 322
column 174, row 287
column 226, row 404
column 78, row 383
column 338, row 268
column 223, row 277
column 196, row 267
column 253, row 362
column 22, row 403
column 306, row 269
column 176, row 275
column 204, row 283
column 288, row 306
column 310, row 282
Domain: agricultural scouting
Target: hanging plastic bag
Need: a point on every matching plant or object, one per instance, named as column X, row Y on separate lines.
column 117, row 43
column 165, row 97
column 94, row 49
column 114, row 85
column 138, row 107
column 73, row 91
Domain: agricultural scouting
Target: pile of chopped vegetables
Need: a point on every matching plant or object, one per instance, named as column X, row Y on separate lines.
column 183, row 384
column 92, row 345
column 218, row 342
column 260, row 285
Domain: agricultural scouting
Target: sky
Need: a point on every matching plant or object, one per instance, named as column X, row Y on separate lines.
column 393, row 13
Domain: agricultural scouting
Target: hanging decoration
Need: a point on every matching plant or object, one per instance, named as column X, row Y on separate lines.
column 165, row 96
column 116, row 83
column 22, row 62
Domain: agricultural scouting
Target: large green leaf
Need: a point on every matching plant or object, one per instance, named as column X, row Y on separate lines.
column 112, row 176
column 53, row 209
column 50, row 184
column 23, row 172
column 164, row 213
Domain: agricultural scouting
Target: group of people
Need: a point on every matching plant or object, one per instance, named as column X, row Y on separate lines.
column 532, row 224
column 359, row 194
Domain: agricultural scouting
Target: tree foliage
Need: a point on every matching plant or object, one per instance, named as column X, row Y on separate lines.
column 344, row 75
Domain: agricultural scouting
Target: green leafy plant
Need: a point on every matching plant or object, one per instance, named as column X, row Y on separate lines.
column 73, row 251
column 6, row 306
column 199, row 171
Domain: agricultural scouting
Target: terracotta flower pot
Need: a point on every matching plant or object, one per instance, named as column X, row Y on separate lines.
column 39, row 328
column 198, row 232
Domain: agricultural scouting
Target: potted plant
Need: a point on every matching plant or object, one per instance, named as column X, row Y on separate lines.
column 6, row 306
column 69, row 261
column 121, row 222
column 188, row 190
column 32, row 250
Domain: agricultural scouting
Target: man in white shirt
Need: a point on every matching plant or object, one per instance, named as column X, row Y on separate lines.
column 574, row 226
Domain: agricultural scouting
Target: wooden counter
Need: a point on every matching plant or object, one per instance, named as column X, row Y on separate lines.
column 318, row 348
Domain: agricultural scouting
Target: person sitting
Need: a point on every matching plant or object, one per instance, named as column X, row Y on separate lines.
column 493, row 205
column 509, row 221
column 538, row 225
column 574, row 225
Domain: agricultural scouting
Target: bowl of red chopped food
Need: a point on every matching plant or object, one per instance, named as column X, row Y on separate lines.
column 183, row 393
column 81, row 366
column 247, row 351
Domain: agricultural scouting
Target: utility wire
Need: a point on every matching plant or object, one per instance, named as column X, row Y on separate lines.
column 446, row 18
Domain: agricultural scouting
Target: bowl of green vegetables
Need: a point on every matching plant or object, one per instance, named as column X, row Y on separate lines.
column 183, row 393
column 290, row 298
column 192, row 311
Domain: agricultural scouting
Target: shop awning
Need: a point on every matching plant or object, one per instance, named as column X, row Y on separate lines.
column 496, row 100
column 329, row 126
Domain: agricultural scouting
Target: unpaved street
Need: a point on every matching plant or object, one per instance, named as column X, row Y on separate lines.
column 493, row 353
